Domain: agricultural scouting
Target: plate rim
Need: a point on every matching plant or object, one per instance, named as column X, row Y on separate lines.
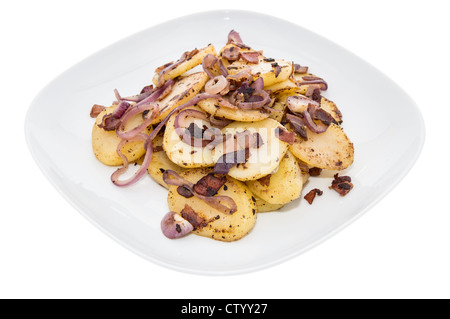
column 421, row 130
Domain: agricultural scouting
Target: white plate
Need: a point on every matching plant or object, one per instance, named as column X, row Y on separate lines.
column 382, row 121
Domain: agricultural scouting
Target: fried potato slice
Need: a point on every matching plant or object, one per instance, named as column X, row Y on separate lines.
column 286, row 86
column 263, row 160
column 186, row 65
column 105, row 143
column 265, row 207
column 182, row 154
column 160, row 162
column 281, row 187
column 222, row 227
column 331, row 108
column 183, row 90
column 272, row 72
column 331, row 150
column 211, row 106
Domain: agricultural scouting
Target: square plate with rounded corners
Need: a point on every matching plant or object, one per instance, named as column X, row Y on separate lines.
column 58, row 132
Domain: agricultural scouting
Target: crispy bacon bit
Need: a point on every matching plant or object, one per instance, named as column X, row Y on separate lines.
column 285, row 136
column 192, row 217
column 298, row 125
column 315, row 171
column 209, row 185
column 314, row 93
column 341, row 184
column 265, row 181
column 96, row 110
column 300, row 69
column 250, row 57
column 323, row 116
column 312, row 194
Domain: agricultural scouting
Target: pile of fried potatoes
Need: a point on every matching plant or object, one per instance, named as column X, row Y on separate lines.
column 273, row 173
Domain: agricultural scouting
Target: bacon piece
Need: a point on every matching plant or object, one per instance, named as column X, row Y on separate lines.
column 314, row 171
column 209, row 185
column 285, row 136
column 341, row 184
column 312, row 194
column 96, row 110
column 250, row 57
column 192, row 217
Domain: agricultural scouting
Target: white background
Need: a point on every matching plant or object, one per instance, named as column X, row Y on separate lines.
column 399, row 249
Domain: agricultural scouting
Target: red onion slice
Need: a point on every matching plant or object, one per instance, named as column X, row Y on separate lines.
column 222, row 68
column 258, row 85
column 216, row 85
column 220, row 123
column 234, row 37
column 312, row 125
column 256, row 101
column 300, row 69
column 183, row 127
column 307, row 80
column 111, row 122
column 154, row 108
column 243, row 76
column 208, row 64
column 175, row 226
column 181, row 118
column 142, row 169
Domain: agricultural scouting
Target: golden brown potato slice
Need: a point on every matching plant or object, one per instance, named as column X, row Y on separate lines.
column 263, row 160
column 272, row 72
column 183, row 90
column 223, row 227
column 104, row 143
column 286, row 86
column 331, row 150
column 211, row 106
column 182, row 154
column 160, row 162
column 281, row 187
column 265, row 207
column 331, row 108
column 187, row 65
